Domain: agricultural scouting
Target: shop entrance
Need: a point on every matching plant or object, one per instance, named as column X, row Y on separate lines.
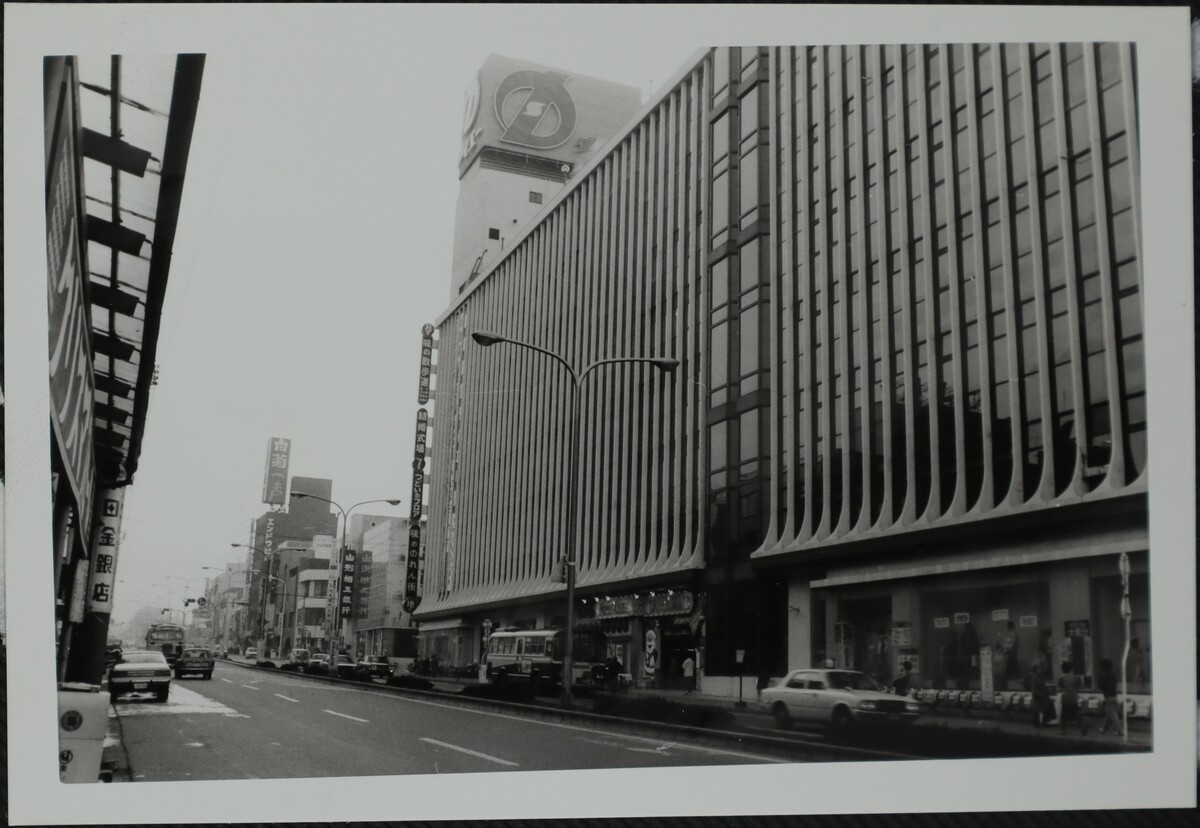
column 676, row 645
column 862, row 632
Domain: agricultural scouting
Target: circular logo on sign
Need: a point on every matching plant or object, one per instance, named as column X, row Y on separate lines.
column 409, row 605
column 71, row 720
column 535, row 109
column 427, row 329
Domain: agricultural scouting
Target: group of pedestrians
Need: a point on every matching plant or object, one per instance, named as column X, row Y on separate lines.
column 1069, row 686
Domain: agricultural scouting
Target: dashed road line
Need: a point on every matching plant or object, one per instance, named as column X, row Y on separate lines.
column 227, row 681
column 469, row 752
column 347, row 716
column 286, row 698
column 249, row 687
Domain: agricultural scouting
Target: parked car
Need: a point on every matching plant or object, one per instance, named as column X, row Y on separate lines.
column 112, row 653
column 374, row 666
column 317, row 664
column 140, row 671
column 252, row 652
column 195, row 660
column 838, row 698
column 344, row 665
column 299, row 655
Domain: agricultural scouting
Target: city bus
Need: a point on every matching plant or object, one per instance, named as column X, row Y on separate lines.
column 535, row 656
column 167, row 639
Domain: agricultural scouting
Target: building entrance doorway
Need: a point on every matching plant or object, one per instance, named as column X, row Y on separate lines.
column 862, row 636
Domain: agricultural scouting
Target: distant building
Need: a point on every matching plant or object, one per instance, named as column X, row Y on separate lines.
column 382, row 627
column 304, row 518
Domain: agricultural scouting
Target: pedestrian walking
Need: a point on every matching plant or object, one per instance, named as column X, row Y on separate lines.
column 903, row 682
column 1040, row 703
column 1069, row 684
column 689, row 673
column 1107, row 681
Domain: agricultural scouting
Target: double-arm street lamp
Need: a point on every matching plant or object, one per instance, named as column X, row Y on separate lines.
column 262, row 593
column 334, row 622
column 486, row 338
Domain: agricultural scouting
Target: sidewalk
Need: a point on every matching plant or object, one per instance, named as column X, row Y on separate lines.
column 1011, row 725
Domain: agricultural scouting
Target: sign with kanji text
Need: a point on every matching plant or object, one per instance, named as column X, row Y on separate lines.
column 412, row 567
column 279, row 451
column 346, row 599
column 426, row 363
column 104, row 551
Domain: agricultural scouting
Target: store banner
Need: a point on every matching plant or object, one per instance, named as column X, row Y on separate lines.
column 346, row 600
column 418, row 464
column 275, row 477
column 426, row 363
column 104, row 552
column 412, row 568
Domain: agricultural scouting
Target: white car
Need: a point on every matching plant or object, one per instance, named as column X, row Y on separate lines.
column 837, row 698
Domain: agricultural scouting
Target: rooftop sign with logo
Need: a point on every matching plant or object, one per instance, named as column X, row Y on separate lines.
column 527, row 108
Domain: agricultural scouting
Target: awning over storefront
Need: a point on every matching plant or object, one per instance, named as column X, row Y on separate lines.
column 1058, row 549
column 442, row 624
column 136, row 118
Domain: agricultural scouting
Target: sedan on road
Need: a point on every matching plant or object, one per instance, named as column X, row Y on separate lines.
column 195, row 660
column 374, row 666
column 838, row 698
column 140, row 671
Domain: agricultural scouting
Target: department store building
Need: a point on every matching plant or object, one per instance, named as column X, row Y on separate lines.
column 904, row 287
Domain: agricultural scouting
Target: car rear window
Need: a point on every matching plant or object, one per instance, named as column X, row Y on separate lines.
column 196, row 653
column 144, row 658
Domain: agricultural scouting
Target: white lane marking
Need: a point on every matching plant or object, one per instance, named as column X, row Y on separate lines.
column 193, row 744
column 580, row 729
column 249, row 687
column 181, row 700
column 227, row 681
column 474, row 753
column 286, row 698
column 345, row 716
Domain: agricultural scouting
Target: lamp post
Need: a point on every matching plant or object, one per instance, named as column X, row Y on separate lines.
column 486, row 339
column 263, row 608
column 262, row 594
column 334, row 622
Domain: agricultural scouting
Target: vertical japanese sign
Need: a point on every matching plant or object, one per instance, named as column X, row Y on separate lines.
column 275, row 478
column 411, row 600
column 346, row 600
column 104, row 551
column 426, row 363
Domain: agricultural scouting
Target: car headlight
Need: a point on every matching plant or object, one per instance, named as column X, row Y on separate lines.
column 912, row 707
column 867, row 705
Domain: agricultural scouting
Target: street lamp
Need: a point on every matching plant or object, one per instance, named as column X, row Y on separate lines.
column 262, row 604
column 278, row 625
column 488, row 338
column 334, row 622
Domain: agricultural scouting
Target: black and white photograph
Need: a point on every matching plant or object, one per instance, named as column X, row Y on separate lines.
column 563, row 411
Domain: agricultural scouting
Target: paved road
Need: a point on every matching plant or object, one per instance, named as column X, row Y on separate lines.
column 253, row 724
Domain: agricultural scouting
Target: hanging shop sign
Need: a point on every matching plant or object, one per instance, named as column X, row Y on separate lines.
column 279, row 451
column 901, row 635
column 941, row 623
column 426, row 363
column 1000, row 615
column 346, row 601
column 962, row 618
column 677, row 602
column 418, row 464
column 1028, row 620
column 412, row 568
column 986, row 679
column 104, row 552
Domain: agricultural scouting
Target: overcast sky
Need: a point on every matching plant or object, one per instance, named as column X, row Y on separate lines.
column 314, row 241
